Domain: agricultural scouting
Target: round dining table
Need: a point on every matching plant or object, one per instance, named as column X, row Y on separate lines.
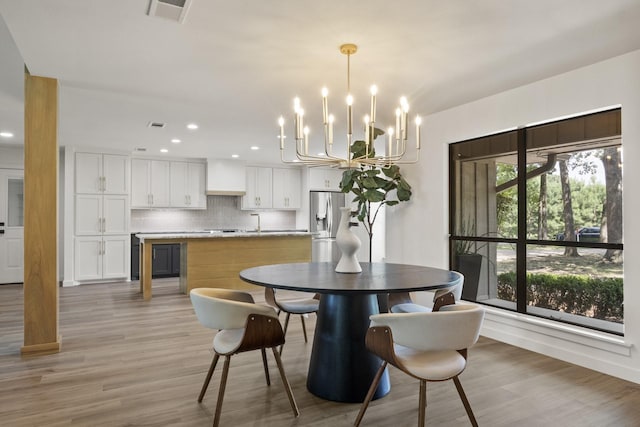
column 341, row 368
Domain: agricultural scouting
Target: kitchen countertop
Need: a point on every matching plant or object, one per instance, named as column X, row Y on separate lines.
column 219, row 234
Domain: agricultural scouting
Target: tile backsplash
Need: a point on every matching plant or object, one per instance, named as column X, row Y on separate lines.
column 222, row 212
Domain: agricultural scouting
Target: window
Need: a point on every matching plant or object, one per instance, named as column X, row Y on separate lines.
column 536, row 220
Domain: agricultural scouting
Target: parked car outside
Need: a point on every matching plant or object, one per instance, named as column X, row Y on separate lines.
column 584, row 234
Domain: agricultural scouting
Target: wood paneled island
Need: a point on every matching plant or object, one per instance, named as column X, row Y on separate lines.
column 215, row 259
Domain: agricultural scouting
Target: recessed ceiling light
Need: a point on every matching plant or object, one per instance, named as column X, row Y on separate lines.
column 192, row 126
column 255, row 147
column 235, row 156
column 6, row 134
column 164, row 150
column 176, row 141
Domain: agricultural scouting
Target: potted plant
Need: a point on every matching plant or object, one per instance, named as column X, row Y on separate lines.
column 468, row 262
column 373, row 186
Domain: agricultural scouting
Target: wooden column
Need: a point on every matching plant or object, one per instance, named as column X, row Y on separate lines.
column 40, row 216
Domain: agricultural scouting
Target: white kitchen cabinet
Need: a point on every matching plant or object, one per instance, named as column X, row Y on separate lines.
column 286, row 188
column 98, row 173
column 226, row 177
column 325, row 179
column 101, row 217
column 150, row 182
column 97, row 214
column 187, row 185
column 101, row 257
column 259, row 188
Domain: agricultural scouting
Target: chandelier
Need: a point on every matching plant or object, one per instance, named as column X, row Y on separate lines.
column 362, row 152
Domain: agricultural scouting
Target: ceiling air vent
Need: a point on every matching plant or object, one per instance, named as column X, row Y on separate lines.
column 174, row 10
column 156, row 125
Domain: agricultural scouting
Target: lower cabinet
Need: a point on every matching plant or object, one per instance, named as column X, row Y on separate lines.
column 165, row 260
column 101, row 257
column 161, row 264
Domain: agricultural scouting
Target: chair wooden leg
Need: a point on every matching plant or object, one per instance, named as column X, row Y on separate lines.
column 285, row 382
column 214, row 362
column 304, row 328
column 422, row 406
column 286, row 325
column 369, row 396
column 465, row 402
column 266, row 366
column 223, row 384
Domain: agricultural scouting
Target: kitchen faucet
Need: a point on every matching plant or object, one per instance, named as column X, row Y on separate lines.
column 258, row 215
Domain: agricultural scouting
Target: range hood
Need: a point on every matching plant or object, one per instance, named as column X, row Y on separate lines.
column 226, row 178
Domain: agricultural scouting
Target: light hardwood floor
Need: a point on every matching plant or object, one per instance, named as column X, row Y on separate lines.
column 126, row 362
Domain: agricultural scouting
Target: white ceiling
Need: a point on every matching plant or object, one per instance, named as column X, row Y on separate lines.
column 233, row 67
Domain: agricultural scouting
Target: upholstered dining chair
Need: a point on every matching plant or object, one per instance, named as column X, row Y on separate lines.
column 429, row 346
column 402, row 302
column 242, row 326
column 299, row 306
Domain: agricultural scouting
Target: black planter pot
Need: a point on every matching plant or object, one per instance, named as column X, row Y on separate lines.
column 469, row 265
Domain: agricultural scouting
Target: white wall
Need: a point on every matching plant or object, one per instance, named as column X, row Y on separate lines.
column 417, row 232
column 11, row 157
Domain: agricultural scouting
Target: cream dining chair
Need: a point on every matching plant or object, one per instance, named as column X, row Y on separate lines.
column 402, row 302
column 299, row 306
column 242, row 326
column 428, row 346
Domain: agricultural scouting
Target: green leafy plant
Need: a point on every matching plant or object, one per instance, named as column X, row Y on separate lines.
column 600, row 298
column 381, row 185
column 465, row 247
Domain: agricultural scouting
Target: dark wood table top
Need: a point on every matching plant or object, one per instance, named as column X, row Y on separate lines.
column 320, row 277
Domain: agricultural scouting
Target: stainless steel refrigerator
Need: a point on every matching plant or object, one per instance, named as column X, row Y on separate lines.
column 324, row 209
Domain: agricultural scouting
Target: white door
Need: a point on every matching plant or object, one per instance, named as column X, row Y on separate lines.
column 11, row 226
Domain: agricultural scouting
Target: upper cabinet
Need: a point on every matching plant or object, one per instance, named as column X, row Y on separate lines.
column 167, row 184
column 226, row 177
column 286, row 188
column 150, row 181
column 259, row 188
column 98, row 173
column 188, row 185
column 324, row 179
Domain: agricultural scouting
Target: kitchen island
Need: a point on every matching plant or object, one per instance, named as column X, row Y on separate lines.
column 215, row 259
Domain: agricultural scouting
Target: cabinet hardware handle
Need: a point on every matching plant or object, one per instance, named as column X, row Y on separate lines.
column 154, row 253
column 104, row 247
column 104, row 225
column 104, row 183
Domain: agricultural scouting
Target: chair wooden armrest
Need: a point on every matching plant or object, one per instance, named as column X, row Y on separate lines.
column 442, row 300
column 261, row 332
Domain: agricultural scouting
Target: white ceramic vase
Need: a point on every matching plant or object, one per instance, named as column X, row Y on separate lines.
column 348, row 243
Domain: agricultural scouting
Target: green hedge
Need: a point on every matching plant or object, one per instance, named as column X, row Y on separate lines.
column 599, row 298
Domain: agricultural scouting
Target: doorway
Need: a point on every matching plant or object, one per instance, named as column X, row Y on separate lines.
column 11, row 226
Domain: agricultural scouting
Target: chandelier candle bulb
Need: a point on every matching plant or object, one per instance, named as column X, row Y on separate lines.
column 366, row 131
column 418, row 123
column 301, row 120
column 325, row 107
column 349, row 115
column 398, row 127
column 403, row 120
column 331, row 119
column 374, row 92
column 306, row 140
column 390, row 143
column 281, row 123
